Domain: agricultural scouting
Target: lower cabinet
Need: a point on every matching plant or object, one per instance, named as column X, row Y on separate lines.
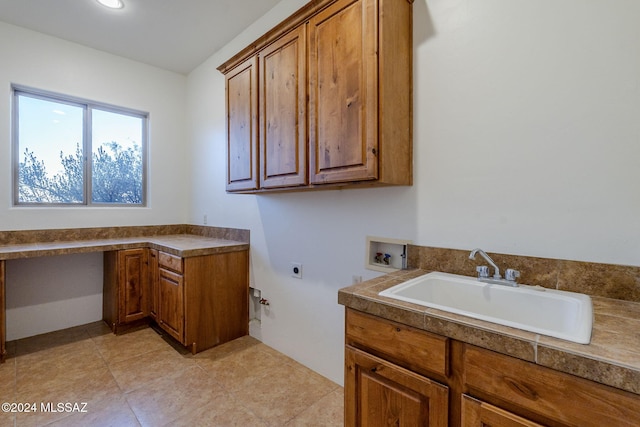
column 399, row 375
column 154, row 269
column 170, row 315
column 201, row 301
column 476, row 413
column 126, row 286
column 3, row 350
column 383, row 394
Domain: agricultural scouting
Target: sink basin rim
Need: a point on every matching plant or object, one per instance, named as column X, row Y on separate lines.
column 580, row 305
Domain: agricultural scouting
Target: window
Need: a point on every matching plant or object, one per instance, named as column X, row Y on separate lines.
column 69, row 151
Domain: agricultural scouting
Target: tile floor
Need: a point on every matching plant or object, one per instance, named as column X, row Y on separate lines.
column 140, row 379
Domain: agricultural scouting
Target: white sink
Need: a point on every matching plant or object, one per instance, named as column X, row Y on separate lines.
column 560, row 314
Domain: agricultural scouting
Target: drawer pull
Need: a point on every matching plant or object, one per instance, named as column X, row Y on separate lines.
column 398, row 329
column 521, row 389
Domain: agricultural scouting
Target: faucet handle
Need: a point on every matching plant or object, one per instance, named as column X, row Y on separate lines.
column 483, row 271
column 511, row 274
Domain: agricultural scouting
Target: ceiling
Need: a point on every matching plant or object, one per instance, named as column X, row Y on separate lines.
column 176, row 35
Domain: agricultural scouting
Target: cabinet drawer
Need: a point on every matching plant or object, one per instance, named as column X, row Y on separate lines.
column 404, row 345
column 476, row 413
column 170, row 262
column 556, row 396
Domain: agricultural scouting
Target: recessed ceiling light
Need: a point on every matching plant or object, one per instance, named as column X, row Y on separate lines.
column 113, row 4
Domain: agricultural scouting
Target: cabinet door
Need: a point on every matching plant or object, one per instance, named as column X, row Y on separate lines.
column 378, row 393
column 153, row 283
column 3, row 327
column 481, row 414
column 133, row 285
column 283, row 111
column 343, row 93
column 216, row 299
column 546, row 394
column 242, row 126
column 171, row 307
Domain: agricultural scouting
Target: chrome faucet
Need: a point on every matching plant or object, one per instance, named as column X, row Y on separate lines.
column 483, row 271
column 484, row 255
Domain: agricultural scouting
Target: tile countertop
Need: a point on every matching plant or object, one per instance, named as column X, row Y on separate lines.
column 612, row 357
column 183, row 245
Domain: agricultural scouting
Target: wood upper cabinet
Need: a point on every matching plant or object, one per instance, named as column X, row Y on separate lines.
column 283, row 111
column 335, row 99
column 343, row 95
column 242, row 126
column 379, row 393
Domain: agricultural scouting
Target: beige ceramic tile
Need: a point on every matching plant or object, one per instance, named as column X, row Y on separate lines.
column 114, row 411
column 218, row 413
column 226, row 349
column 97, row 329
column 7, row 376
column 177, row 397
column 8, row 389
column 57, row 342
column 7, row 419
column 138, row 371
column 239, row 369
column 284, row 394
column 137, row 379
column 93, row 386
column 117, row 348
column 45, row 368
column 326, row 412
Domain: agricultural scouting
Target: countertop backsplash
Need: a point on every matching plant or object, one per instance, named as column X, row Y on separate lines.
column 620, row 282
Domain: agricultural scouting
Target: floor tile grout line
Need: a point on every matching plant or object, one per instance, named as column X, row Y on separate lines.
column 235, row 353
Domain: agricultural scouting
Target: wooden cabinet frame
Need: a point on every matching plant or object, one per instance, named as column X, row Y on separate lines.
column 283, row 111
column 485, row 388
column 390, row 395
column 201, row 301
column 343, row 89
column 355, row 129
column 242, row 126
column 3, row 309
column 171, row 303
column 125, row 300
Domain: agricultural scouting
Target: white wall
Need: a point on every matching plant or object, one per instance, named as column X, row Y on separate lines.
column 527, row 141
column 43, row 62
column 51, row 293
column 528, row 127
column 36, row 60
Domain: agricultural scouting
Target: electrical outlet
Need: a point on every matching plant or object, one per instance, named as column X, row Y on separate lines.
column 204, row 220
column 296, row 270
column 356, row 279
